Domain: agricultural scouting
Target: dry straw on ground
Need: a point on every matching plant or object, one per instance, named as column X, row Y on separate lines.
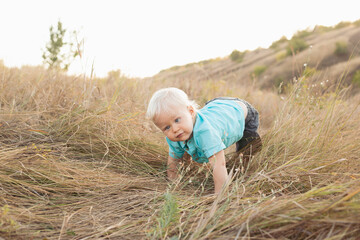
column 79, row 161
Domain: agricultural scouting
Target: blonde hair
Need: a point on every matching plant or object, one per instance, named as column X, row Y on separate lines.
column 167, row 98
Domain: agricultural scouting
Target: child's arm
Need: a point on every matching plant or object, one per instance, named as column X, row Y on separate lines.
column 220, row 174
column 172, row 168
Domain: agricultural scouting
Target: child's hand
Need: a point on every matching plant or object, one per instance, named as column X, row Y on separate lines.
column 172, row 168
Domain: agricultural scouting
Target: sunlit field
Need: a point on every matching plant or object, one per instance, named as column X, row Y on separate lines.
column 80, row 161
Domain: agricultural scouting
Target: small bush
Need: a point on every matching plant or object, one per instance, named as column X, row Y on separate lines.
column 356, row 78
column 296, row 45
column 258, row 70
column 276, row 44
column 278, row 81
column 341, row 48
column 237, row 56
column 302, row 33
column 342, row 25
column 280, row 56
column 322, row 29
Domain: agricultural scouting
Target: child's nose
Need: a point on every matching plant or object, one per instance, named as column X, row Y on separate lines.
column 175, row 128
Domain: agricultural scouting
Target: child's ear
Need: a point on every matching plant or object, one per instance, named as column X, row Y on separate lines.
column 191, row 109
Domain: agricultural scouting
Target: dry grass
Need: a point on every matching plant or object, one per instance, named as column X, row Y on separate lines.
column 79, row 161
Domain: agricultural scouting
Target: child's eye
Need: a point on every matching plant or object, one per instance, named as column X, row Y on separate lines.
column 177, row 120
column 166, row 128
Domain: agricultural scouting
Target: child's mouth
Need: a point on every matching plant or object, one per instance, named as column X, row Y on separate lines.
column 180, row 135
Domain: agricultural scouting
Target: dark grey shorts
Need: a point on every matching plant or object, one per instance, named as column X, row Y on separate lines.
column 252, row 119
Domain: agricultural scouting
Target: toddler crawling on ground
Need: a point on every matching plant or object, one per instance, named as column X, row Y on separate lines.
column 203, row 133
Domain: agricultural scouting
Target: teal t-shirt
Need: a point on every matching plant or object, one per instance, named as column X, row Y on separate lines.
column 218, row 125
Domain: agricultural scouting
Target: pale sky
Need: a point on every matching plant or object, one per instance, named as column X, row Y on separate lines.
column 142, row 37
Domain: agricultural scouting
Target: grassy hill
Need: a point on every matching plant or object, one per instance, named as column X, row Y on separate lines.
column 79, row 160
column 327, row 51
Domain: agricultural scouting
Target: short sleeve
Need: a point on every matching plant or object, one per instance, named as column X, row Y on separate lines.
column 175, row 150
column 209, row 141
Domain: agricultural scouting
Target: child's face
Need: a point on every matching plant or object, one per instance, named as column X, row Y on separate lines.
column 177, row 124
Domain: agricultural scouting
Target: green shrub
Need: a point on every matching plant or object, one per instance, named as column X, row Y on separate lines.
column 276, row 44
column 278, row 81
column 237, row 56
column 341, row 48
column 258, row 70
column 296, row 45
column 280, row 56
column 322, row 29
column 356, row 78
column 302, row 34
column 342, row 25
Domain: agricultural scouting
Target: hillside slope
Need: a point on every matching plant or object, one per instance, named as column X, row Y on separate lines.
column 278, row 66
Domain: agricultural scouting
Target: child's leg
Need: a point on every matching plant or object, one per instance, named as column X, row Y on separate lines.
column 249, row 140
column 248, row 145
